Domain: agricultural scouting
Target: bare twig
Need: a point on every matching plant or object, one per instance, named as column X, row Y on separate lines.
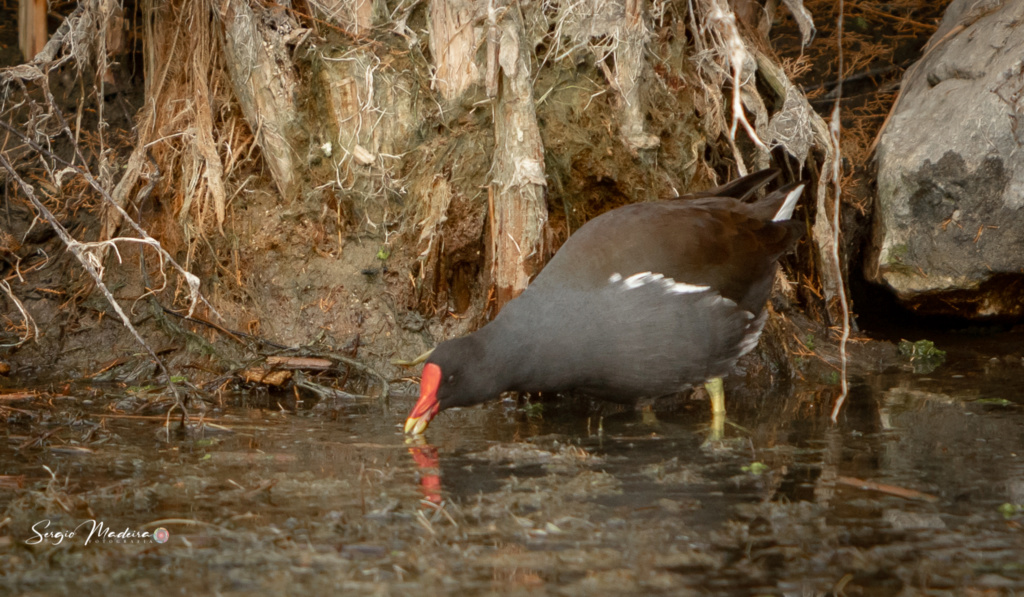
column 834, row 128
column 927, row 27
column 190, row 278
column 88, row 261
column 31, row 329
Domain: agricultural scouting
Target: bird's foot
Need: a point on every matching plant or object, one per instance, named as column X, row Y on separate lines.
column 717, row 441
column 648, row 418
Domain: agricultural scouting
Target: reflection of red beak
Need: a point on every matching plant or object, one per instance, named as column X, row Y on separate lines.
column 430, row 481
column 427, row 407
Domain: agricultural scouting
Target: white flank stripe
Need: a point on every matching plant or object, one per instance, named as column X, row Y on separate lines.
column 681, row 288
column 786, row 211
column 638, row 280
column 644, row 278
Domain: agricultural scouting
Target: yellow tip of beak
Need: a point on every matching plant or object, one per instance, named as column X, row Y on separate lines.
column 416, row 425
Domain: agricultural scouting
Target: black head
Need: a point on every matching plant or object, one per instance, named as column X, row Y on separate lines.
column 456, row 374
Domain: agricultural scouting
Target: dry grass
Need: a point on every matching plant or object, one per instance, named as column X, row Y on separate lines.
column 875, row 34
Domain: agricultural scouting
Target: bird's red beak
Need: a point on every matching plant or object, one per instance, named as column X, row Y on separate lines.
column 427, row 406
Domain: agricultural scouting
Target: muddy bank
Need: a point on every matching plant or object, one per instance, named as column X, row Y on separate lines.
column 378, row 259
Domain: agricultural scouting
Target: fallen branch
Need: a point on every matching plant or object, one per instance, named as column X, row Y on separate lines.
column 325, row 392
column 18, row 396
column 903, row 492
column 385, row 386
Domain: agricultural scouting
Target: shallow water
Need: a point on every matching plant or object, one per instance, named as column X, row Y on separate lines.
column 915, row 491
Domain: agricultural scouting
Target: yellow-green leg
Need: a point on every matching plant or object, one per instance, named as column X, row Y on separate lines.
column 647, row 416
column 716, row 389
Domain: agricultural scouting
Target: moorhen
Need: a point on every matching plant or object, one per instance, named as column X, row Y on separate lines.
column 642, row 301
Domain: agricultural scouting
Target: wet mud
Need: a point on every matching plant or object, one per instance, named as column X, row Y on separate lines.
column 918, row 490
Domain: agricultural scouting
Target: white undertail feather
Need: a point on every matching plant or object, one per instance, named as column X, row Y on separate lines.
column 670, row 285
column 786, row 211
column 753, row 333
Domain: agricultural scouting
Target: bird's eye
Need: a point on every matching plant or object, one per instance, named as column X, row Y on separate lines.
column 451, row 378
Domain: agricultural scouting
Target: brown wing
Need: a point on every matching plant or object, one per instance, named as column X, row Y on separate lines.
column 715, row 242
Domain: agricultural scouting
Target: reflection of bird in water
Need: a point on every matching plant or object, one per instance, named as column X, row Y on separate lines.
column 430, row 471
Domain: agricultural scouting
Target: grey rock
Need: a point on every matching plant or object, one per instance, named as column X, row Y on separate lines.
column 948, row 233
